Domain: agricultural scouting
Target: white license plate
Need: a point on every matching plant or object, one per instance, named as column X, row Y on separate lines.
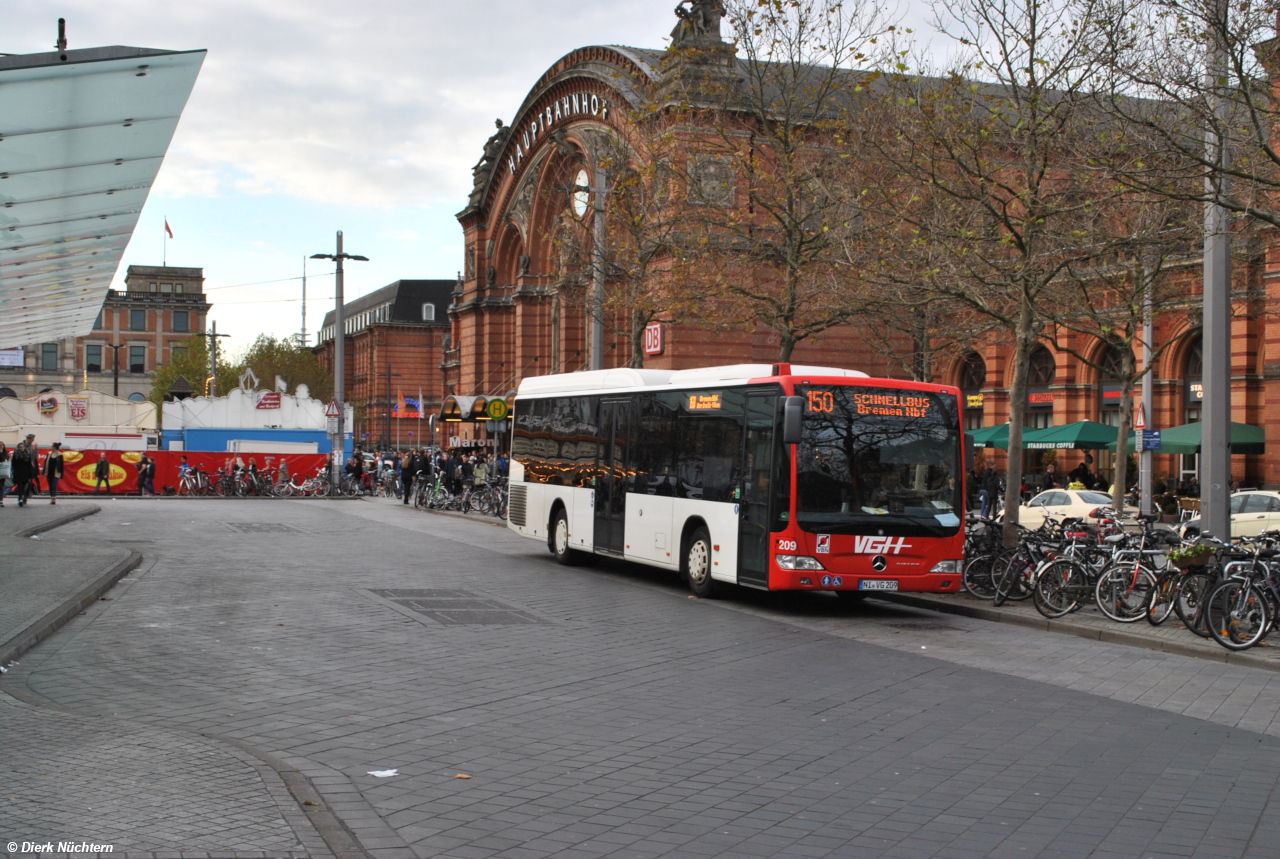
column 878, row 585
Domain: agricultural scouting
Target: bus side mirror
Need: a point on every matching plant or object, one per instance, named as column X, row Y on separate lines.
column 970, row 452
column 792, row 419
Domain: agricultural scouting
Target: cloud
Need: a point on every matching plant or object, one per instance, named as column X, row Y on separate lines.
column 384, row 103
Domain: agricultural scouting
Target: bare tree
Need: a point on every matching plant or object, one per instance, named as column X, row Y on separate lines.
column 764, row 214
column 989, row 166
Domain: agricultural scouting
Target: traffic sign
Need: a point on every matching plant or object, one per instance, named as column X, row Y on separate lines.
column 332, row 425
column 1140, row 419
column 497, row 409
column 332, row 410
column 1146, row 440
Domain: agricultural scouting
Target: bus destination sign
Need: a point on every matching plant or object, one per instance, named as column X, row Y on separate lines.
column 895, row 405
column 702, row 402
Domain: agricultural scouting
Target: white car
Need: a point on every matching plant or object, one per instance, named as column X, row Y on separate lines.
column 1062, row 504
column 1252, row 512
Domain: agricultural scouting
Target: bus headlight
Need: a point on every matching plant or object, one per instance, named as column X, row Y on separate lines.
column 947, row 567
column 798, row 562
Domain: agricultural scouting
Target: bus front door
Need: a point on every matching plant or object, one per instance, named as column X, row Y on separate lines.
column 756, row 484
column 611, row 490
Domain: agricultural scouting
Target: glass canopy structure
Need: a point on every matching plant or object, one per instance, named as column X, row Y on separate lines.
column 82, row 137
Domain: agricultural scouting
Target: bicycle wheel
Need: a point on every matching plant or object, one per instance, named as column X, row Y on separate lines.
column 978, row 577
column 221, row 489
column 1190, row 600
column 1236, row 615
column 321, row 486
column 1015, row 581
column 1059, row 588
column 1163, row 598
column 1122, row 592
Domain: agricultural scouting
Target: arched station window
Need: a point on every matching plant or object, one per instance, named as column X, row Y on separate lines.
column 1040, row 372
column 973, row 378
column 1109, row 386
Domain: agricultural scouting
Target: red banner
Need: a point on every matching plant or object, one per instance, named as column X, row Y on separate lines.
column 80, row 467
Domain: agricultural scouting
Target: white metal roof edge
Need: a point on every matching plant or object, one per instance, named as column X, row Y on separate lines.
column 605, row 381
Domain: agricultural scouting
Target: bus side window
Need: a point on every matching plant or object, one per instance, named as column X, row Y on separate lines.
column 655, row 447
column 707, row 457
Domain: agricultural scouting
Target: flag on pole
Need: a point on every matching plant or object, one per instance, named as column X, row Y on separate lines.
column 167, row 229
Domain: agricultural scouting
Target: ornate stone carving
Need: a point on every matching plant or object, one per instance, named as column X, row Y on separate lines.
column 524, row 264
column 484, row 167
column 490, row 276
column 469, row 264
column 699, row 22
column 521, row 204
column 713, row 181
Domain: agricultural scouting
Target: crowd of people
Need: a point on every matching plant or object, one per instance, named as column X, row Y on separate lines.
column 455, row 469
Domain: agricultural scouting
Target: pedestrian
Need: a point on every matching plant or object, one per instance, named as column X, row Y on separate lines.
column 990, row 492
column 25, row 468
column 53, row 470
column 102, row 473
column 1049, row 481
column 480, row 471
column 6, row 470
column 149, row 473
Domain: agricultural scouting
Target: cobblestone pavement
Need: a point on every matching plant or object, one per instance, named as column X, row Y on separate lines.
column 601, row 712
column 37, row 574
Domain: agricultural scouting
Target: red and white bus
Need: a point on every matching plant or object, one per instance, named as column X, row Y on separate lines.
column 779, row 477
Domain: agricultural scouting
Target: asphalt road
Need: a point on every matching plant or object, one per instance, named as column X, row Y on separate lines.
column 268, row 651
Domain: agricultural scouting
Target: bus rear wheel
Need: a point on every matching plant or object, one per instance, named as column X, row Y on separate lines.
column 697, row 564
column 559, row 541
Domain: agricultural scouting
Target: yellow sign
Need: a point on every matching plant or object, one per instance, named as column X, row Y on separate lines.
column 497, row 409
column 703, row 401
column 973, row 401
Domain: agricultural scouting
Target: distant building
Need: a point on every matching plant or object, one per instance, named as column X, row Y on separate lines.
column 403, row 327
column 156, row 315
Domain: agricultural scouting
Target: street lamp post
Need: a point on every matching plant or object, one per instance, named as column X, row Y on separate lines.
column 115, row 356
column 339, row 347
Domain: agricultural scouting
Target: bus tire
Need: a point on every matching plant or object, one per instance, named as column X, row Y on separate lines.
column 696, row 564
column 558, row 540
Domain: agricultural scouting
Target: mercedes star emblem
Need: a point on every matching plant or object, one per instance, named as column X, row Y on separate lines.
column 879, row 562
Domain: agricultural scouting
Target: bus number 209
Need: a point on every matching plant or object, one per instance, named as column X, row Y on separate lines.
column 786, row 545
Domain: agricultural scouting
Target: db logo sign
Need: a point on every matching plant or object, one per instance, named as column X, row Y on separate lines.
column 653, row 339
column 824, row 544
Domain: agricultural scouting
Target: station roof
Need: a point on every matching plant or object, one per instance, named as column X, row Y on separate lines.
column 82, row 137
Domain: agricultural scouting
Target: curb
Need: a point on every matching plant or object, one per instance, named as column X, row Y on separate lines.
column 1110, row 636
column 60, row 521
column 46, row 626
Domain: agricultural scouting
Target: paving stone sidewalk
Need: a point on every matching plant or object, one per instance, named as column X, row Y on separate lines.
column 1170, row 637
column 601, row 712
column 140, row 790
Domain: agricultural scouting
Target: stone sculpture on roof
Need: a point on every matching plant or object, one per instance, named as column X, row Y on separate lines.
column 699, row 22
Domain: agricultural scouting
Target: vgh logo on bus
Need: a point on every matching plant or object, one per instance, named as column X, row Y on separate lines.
column 880, row 545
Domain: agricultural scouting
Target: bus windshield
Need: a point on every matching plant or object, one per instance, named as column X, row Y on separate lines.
column 878, row 461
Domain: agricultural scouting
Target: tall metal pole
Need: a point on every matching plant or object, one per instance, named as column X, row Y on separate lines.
column 213, row 355
column 387, row 434
column 1215, row 438
column 339, row 354
column 303, row 342
column 1146, row 482
column 597, row 276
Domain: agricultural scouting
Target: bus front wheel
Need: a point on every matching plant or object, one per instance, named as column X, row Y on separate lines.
column 697, row 564
column 560, row 540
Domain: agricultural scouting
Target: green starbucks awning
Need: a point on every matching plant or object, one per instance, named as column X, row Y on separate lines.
column 1081, row 435
column 1185, row 439
column 996, row 436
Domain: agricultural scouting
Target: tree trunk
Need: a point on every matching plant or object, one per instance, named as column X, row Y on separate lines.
column 637, row 340
column 1024, row 340
column 786, row 346
column 1122, row 442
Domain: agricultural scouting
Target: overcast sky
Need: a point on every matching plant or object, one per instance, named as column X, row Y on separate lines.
column 311, row 116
